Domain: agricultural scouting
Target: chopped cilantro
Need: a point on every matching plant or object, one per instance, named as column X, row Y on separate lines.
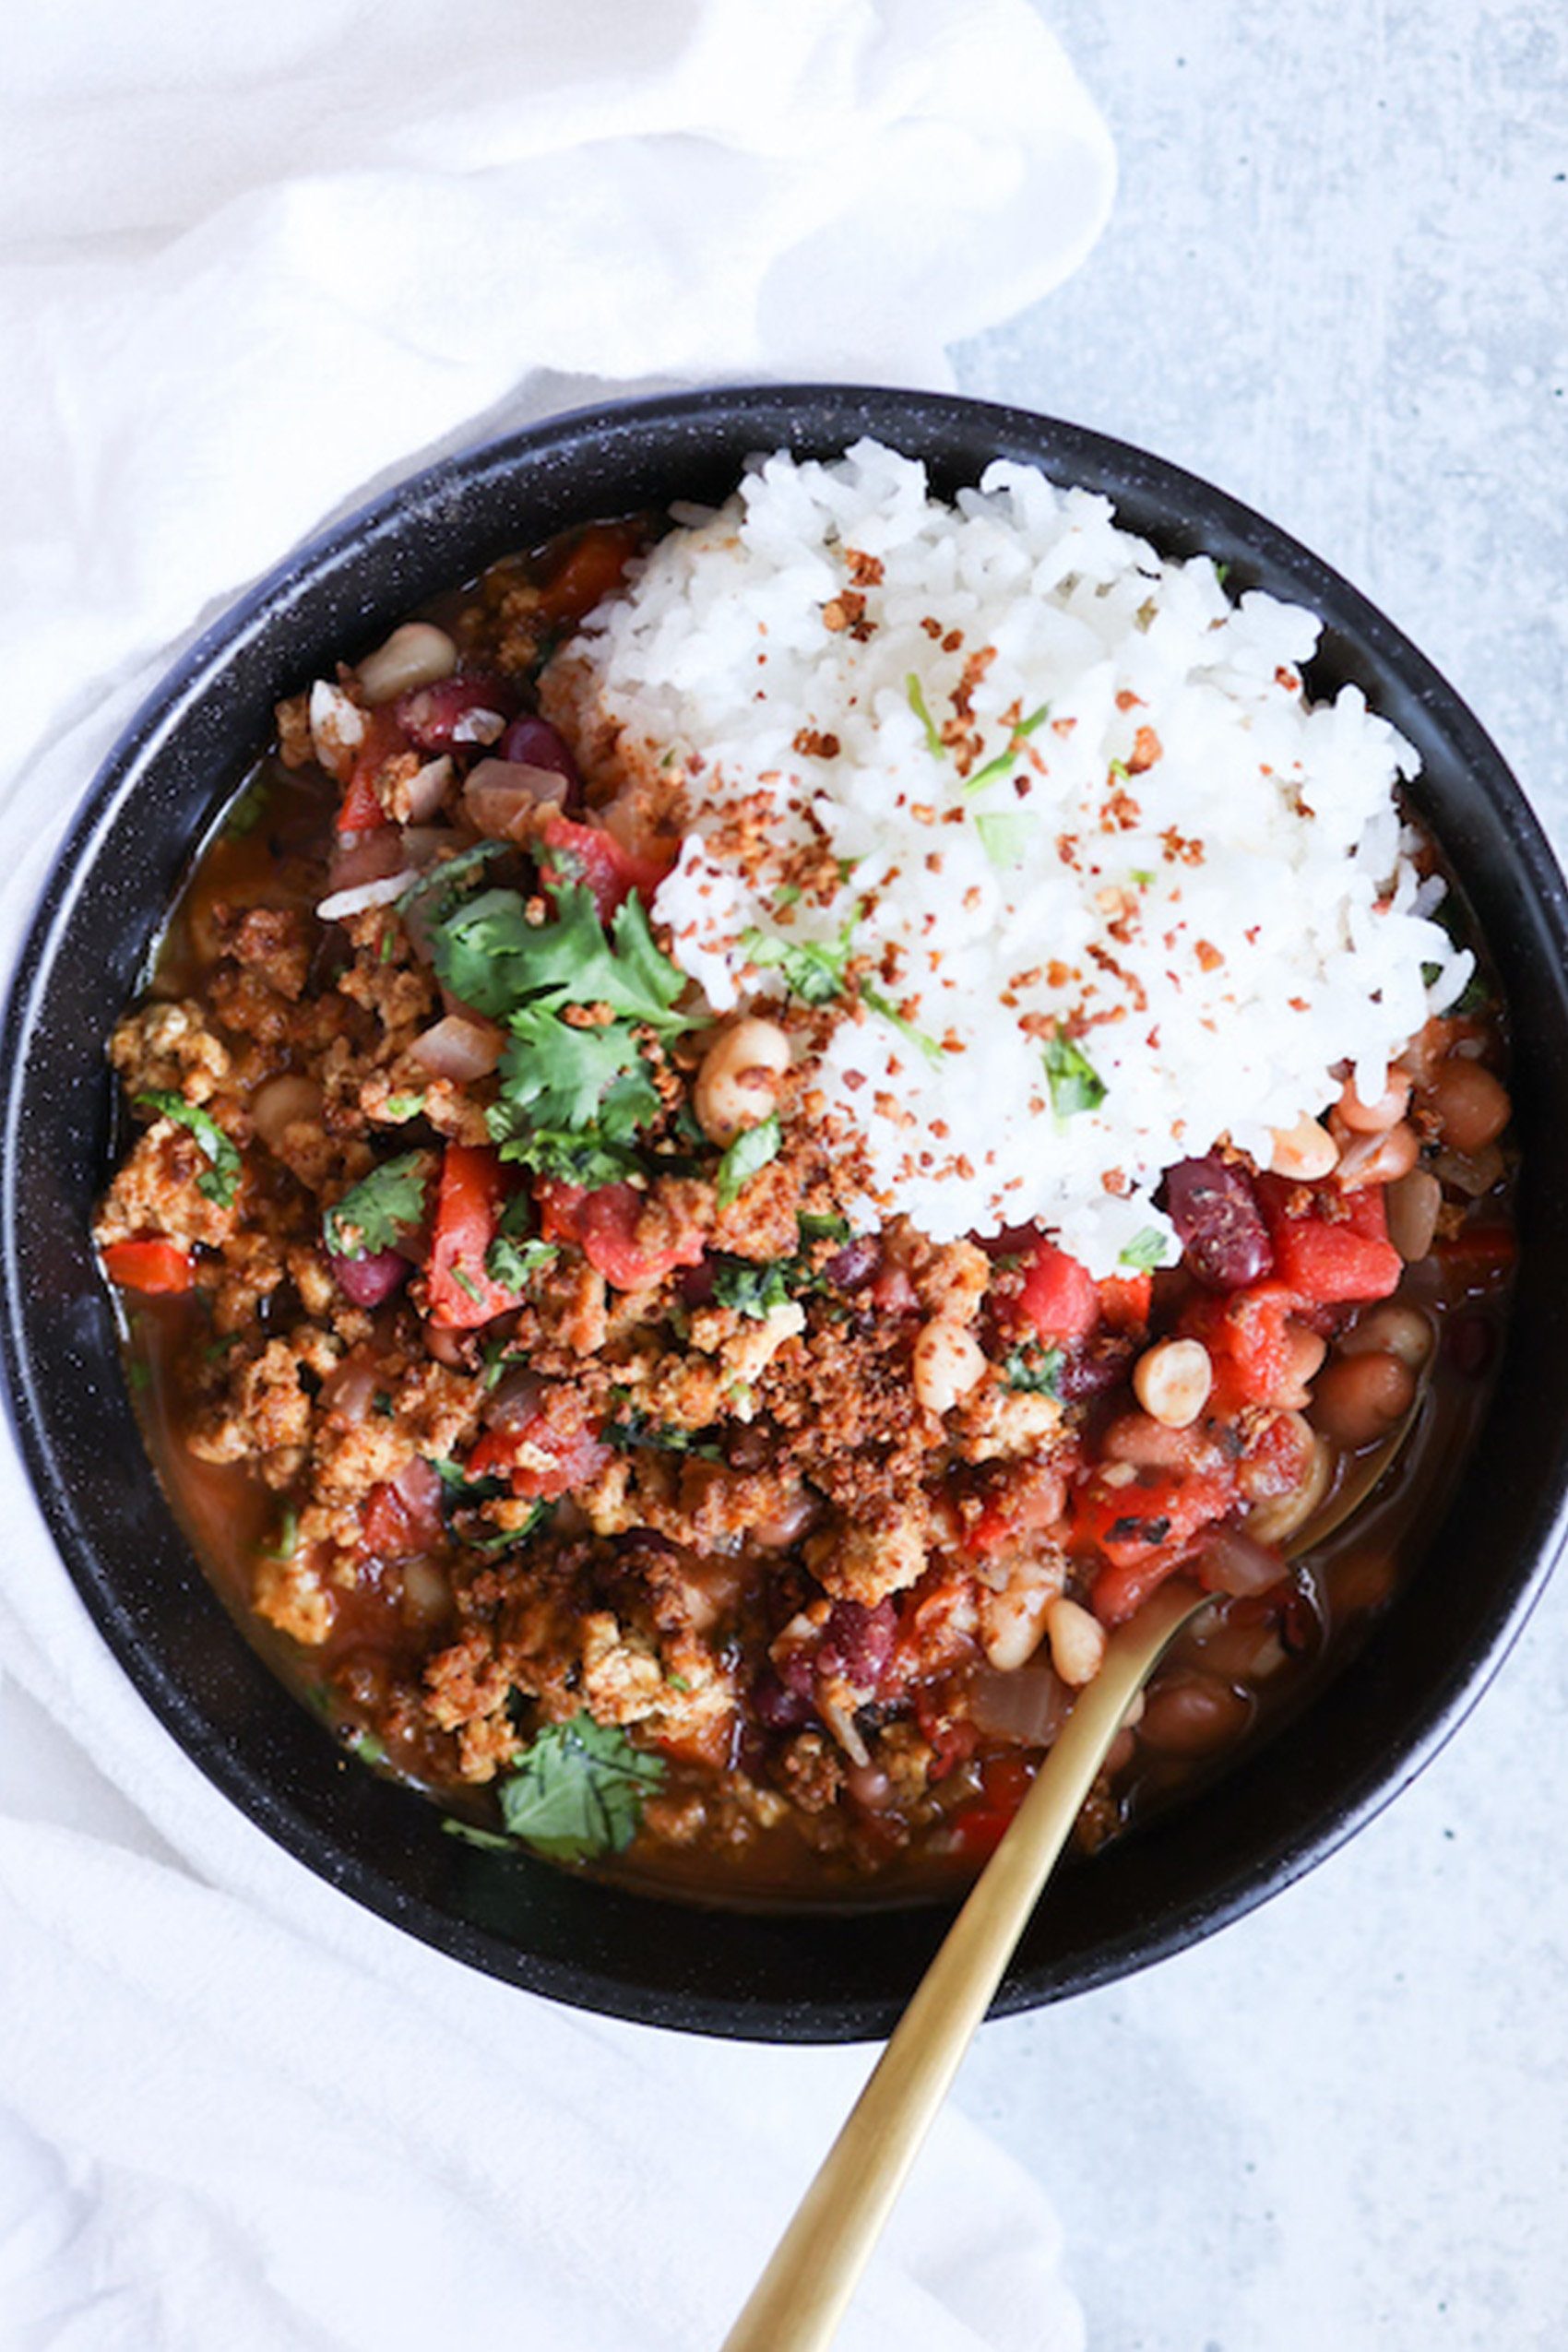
column 459, row 1492
column 511, row 1263
column 1147, row 1249
column 633, row 1429
column 286, row 1541
column 1074, row 1082
column 907, row 1029
column 368, row 1746
column 813, row 970
column 382, row 1209
column 934, row 743
column 579, row 1790
column 488, row 1841
column 1005, row 837
column 1033, row 1371
column 574, row 1096
column 746, row 1156
column 752, row 1290
column 398, row 1107
column 1004, row 760
column 221, row 1178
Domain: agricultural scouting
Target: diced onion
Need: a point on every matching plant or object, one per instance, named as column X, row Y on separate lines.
column 381, row 893
column 458, row 1047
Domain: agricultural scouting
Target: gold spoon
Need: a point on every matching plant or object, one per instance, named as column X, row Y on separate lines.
column 798, row 2302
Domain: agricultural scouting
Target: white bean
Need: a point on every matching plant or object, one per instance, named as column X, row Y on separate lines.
column 416, row 654
column 1171, row 1381
column 1076, row 1639
column 738, row 1082
column 948, row 1363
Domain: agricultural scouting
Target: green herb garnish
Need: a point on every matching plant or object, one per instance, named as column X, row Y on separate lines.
column 918, row 705
column 221, row 1177
column 746, row 1156
column 813, row 970
column 579, row 1790
column 1147, row 1249
column 1033, row 1371
column 382, row 1209
column 574, row 1096
column 1005, row 837
column 1004, row 760
column 1074, row 1082
column 753, row 1290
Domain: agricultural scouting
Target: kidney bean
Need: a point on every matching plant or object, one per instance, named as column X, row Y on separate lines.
column 471, row 709
column 367, row 1281
column 1218, row 1224
column 532, row 741
column 856, row 1640
column 855, row 1264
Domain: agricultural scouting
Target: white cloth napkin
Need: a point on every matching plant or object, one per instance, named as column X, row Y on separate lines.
column 255, row 263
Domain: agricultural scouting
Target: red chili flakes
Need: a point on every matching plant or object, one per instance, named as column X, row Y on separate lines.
column 867, row 571
column 1208, row 956
column 1121, row 813
column 810, row 744
column 1179, row 850
column 1068, row 849
column 1057, row 974
column 971, row 899
column 1288, row 679
column 952, row 641
column 1062, row 726
column 1128, row 700
column 1147, row 749
column 1031, row 979
column 854, row 1080
column 923, row 812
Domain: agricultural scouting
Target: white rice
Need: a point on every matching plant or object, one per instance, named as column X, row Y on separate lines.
column 1220, row 915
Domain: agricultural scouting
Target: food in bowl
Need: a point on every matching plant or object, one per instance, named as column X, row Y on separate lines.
column 754, row 1125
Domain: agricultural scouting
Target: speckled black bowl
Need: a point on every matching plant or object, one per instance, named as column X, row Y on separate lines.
column 808, row 1978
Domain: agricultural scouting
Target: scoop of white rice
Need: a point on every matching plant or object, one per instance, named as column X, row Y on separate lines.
column 1113, row 888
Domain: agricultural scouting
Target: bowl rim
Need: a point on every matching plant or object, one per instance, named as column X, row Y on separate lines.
column 318, row 589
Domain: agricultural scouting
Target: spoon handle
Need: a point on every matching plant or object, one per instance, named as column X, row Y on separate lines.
column 798, row 2302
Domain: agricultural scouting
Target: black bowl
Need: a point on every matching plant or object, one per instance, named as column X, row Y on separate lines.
column 805, row 1978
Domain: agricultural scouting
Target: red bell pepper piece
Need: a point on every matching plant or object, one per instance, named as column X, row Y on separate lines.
column 160, row 1268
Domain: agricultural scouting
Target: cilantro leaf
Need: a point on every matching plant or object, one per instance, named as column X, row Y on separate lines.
column 579, row 1790
column 1005, row 837
column 890, row 1013
column 813, row 970
column 1074, row 1082
column 1004, row 760
column 511, row 1263
column 630, row 1430
column 382, row 1209
column 1033, row 1371
column 221, row 1178
column 1147, row 1249
column 754, row 1290
column 746, row 1156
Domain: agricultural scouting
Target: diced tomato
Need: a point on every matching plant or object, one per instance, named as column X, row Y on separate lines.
column 402, row 1516
column 1006, row 1781
column 469, row 1202
column 560, row 1207
column 575, row 1453
column 591, row 854
column 160, row 1268
column 1248, row 1343
column 1330, row 1264
column 1125, row 1300
column 605, row 1222
column 361, row 811
column 1144, row 1530
column 592, row 568
column 1058, row 1299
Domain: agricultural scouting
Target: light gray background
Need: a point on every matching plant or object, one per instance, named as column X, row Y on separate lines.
column 1335, row 285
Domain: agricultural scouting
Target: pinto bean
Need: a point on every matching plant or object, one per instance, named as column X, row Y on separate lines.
column 1471, row 1105
column 1359, row 1398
